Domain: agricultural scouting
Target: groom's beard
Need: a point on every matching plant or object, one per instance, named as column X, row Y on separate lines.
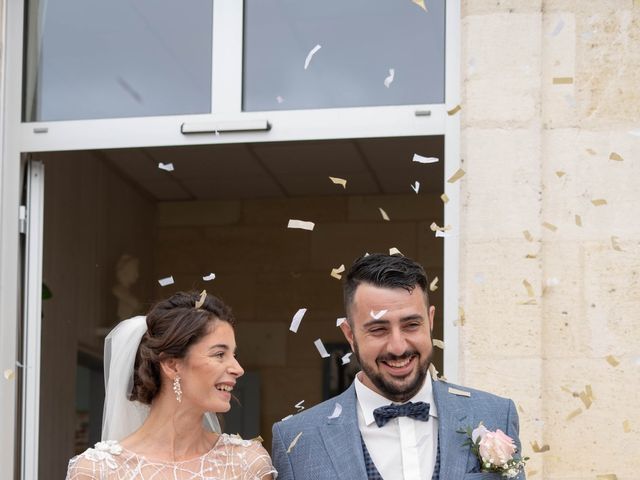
column 395, row 393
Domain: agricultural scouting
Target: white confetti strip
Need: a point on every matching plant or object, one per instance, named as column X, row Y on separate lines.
column 208, row 278
column 393, row 251
column 336, row 411
column 340, row 321
column 301, row 224
column 558, row 28
column 339, row 181
column 8, row 374
column 442, row 234
column 279, row 99
column 167, row 167
column 320, row 346
column 335, row 272
column 421, row 159
column 166, row 281
column 297, row 318
column 293, row 443
column 377, row 315
column 384, row 214
column 346, row 358
column 389, row 79
column 286, row 418
column 416, row 186
column 299, row 405
column 310, row 55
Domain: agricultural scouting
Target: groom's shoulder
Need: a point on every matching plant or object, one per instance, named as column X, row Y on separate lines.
column 316, row 415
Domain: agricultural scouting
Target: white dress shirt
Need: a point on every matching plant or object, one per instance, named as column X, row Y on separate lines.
column 404, row 448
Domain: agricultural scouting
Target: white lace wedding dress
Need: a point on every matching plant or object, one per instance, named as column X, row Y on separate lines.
column 230, row 458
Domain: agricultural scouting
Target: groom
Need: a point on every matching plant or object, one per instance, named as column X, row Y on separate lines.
column 370, row 431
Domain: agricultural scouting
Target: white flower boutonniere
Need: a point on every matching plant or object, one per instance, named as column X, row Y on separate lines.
column 496, row 451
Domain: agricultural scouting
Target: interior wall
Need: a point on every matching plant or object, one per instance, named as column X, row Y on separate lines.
column 266, row 272
column 92, row 216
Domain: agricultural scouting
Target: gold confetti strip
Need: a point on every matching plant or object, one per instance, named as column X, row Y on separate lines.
column 529, row 288
column 257, row 439
column 549, row 226
column 454, row 110
column 591, row 151
column 394, row 251
column 293, row 443
column 200, row 302
column 529, row 302
column 562, row 80
column 586, row 399
column 438, row 343
column 531, row 473
column 626, row 426
column 528, row 236
column 560, row 173
column 613, row 361
column 531, row 255
column 421, row 4
column 433, row 286
column 520, row 409
column 462, row 318
column 565, row 389
column 456, row 176
column 540, row 449
column 335, row 272
column 460, row 393
column 615, row 156
column 339, row 181
column 589, row 391
column 597, row 202
column 444, row 198
column 574, row 414
column 615, row 243
column 384, row 214
column 608, row 476
column 578, row 220
column 9, row 374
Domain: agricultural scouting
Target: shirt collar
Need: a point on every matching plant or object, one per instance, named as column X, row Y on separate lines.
column 368, row 400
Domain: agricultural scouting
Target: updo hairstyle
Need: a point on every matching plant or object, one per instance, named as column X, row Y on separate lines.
column 173, row 325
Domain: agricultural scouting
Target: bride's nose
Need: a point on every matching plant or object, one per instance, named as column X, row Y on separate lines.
column 235, row 368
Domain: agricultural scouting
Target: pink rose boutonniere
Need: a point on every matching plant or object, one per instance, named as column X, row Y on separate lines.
column 496, row 451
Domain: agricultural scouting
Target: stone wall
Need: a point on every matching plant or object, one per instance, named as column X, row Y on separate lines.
column 551, row 145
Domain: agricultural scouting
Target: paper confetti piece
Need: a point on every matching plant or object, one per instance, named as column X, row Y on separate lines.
column 293, row 443
column 531, row 255
column 435, row 228
column 529, row 288
column 574, row 414
column 389, row 79
column 279, row 99
column 531, row 301
column 200, row 302
column 384, row 214
column 562, row 80
column 320, row 346
column 578, row 220
column 346, row 358
column 586, row 399
column 531, row 473
column 395, row 251
column 615, row 243
column 340, row 321
column 297, row 318
column 441, row 234
column 444, row 198
column 590, row 151
column 528, row 235
column 616, row 157
column 613, row 361
column 456, row 176
column 8, row 374
column 560, row 173
column 461, row 393
column 598, row 202
column 558, row 28
column 433, row 286
column 208, row 278
column 549, row 226
column 626, row 426
column 299, row 405
column 462, row 318
column 166, row 281
column 310, row 55
column 454, row 110
column 339, row 181
column 337, row 410
column 438, row 343
column 608, row 476
column 167, row 167
column 539, row 449
column 420, row 159
column 377, row 315
column 335, row 272
column 286, row 418
column 421, row 4
column 301, row 224
column 416, row 187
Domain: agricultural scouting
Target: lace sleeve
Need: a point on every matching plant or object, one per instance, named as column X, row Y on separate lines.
column 258, row 463
column 82, row 468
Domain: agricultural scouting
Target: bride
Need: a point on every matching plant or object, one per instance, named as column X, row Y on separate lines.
column 167, row 375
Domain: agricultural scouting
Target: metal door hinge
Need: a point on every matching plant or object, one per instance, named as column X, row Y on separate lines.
column 22, row 219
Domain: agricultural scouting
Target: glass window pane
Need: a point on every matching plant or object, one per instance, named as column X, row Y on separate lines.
column 360, row 41
column 106, row 59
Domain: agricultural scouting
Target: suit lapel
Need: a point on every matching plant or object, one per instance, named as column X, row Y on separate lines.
column 341, row 438
column 452, row 417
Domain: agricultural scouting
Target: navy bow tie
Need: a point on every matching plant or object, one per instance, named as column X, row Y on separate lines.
column 418, row 410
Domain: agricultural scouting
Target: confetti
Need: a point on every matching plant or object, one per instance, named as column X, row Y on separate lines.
column 591, row 151
column 377, row 315
column 462, row 318
column 578, row 220
column 340, row 321
column 540, row 449
column 562, row 80
column 531, row 255
column 461, row 393
column 339, row 181
column 441, row 234
column 598, row 202
column 299, row 405
column 549, row 226
column 558, row 28
column 389, row 79
column 528, row 235
column 416, row 187
column 531, row 473
column 456, row 176
column 608, row 476
column 420, row 159
column 613, row 361
column 529, row 288
column 615, row 243
column 310, row 55
column 337, row 410
column 335, row 272
column 384, row 214
column 444, row 198
column 8, row 374
column 286, row 418
column 615, row 156
column 166, row 281
column 279, row 99
column 574, row 414
column 297, row 318
column 395, row 251
column 208, row 278
column 626, row 426
column 301, row 224
column 435, row 228
column 560, row 173
column 167, row 167
column 421, row 4
column 346, row 358
column 320, row 346
column 438, row 343
column 454, row 110
column 586, row 399
column 293, row 444
column 529, row 302
column 433, row 286
column 200, row 302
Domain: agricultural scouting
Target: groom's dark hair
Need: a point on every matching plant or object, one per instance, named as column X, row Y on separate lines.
column 386, row 271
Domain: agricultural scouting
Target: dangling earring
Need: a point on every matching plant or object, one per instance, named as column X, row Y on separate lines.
column 176, row 388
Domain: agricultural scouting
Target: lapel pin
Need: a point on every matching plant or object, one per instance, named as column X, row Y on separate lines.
column 462, row 393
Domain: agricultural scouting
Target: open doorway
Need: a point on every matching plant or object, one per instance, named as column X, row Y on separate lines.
column 115, row 223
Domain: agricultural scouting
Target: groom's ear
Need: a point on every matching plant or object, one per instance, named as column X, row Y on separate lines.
column 347, row 332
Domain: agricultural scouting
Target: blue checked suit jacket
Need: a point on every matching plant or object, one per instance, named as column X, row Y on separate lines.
column 330, row 448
